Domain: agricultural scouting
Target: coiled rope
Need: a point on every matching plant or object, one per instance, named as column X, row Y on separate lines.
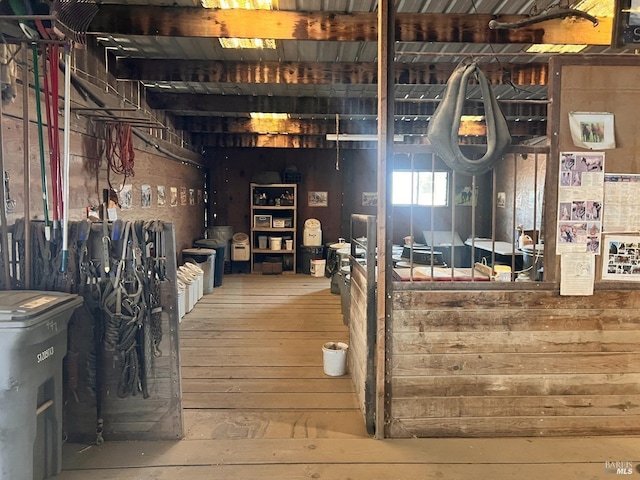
column 119, row 151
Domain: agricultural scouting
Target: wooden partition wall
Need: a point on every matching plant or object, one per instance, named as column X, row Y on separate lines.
column 468, row 361
column 513, row 363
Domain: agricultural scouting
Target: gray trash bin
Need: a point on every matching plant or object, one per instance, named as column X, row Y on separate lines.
column 205, row 258
column 221, row 254
column 33, row 343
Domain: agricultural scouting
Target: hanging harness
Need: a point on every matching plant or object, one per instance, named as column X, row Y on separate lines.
column 444, row 125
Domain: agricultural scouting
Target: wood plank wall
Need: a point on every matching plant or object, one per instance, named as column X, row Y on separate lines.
column 358, row 347
column 514, row 363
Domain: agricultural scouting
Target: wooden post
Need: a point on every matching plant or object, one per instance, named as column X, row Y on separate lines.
column 4, row 231
column 26, row 196
column 385, row 169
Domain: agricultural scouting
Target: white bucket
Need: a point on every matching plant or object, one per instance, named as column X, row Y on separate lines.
column 334, row 356
column 181, row 300
column 275, row 243
column 288, row 244
column 317, row 267
column 199, row 275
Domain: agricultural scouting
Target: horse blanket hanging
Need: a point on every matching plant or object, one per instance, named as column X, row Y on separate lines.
column 445, row 123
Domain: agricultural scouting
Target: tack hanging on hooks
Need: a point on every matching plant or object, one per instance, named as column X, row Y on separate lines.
column 445, row 123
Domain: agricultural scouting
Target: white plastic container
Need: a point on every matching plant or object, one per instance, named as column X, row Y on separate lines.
column 181, row 300
column 312, row 235
column 240, row 250
column 317, row 267
column 190, row 290
column 275, row 243
column 199, row 274
column 334, row 358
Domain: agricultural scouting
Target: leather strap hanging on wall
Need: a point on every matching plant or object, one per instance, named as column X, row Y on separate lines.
column 445, row 123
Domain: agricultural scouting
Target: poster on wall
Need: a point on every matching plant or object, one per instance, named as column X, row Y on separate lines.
column 580, row 202
column 183, row 195
column 162, row 198
column 622, row 258
column 593, row 130
column 192, row 196
column 173, row 196
column 145, row 191
column 125, row 196
column 577, row 274
column 622, row 196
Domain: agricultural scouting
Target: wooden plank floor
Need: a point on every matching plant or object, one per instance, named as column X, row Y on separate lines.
column 258, row 406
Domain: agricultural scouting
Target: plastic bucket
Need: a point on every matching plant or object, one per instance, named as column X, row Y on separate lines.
column 275, row 243
column 181, row 300
column 334, row 358
column 205, row 258
column 199, row 275
column 317, row 268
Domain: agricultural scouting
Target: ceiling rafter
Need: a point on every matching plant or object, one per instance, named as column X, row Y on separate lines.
column 316, row 73
column 254, row 140
column 207, row 104
column 216, row 125
column 336, row 26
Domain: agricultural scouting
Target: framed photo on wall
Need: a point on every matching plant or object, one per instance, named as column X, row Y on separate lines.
column 369, row 199
column 593, row 130
column 318, row 199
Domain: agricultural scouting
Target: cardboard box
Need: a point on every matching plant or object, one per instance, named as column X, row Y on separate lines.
column 282, row 223
column 272, row 266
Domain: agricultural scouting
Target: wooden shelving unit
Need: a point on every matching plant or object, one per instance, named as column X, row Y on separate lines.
column 273, row 215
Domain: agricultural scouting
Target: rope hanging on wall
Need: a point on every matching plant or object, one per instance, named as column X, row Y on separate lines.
column 119, row 151
column 445, row 123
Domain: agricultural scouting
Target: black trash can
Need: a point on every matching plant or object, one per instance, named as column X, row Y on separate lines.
column 220, row 246
column 33, row 343
column 308, row 253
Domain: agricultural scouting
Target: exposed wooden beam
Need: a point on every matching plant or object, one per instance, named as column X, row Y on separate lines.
column 205, row 125
column 335, row 26
column 188, row 104
column 314, row 73
column 252, row 140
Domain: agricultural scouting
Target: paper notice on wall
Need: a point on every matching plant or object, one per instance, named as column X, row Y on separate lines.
column 580, row 201
column 577, row 273
column 622, row 197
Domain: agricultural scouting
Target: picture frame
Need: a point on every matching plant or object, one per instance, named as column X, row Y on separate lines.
column 318, row 199
column 592, row 130
column 369, row 199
